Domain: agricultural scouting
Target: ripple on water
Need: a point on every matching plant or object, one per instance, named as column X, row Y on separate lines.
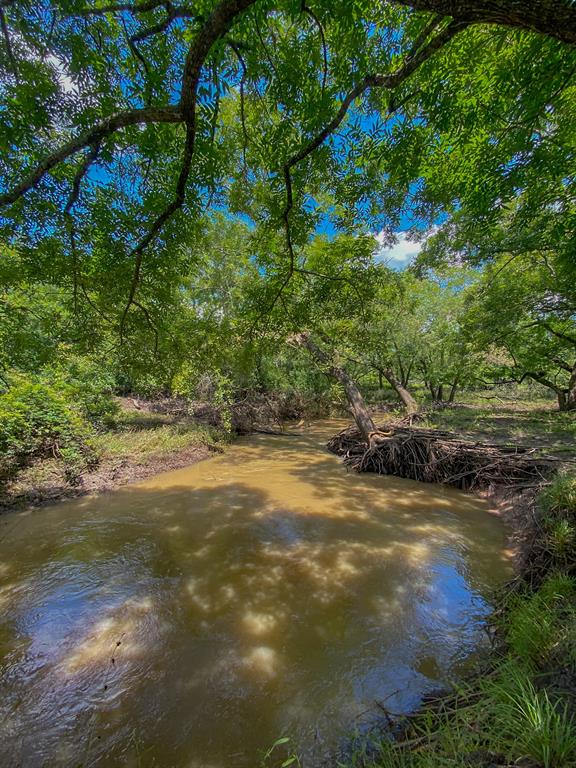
column 194, row 618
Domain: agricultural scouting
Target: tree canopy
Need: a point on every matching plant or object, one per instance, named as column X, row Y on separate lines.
column 123, row 123
column 185, row 188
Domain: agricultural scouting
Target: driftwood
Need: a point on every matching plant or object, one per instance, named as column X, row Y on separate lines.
column 433, row 456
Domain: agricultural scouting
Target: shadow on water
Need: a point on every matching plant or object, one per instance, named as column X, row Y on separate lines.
column 192, row 619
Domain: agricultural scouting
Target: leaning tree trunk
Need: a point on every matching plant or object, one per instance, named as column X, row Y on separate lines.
column 567, row 398
column 362, row 417
column 408, row 401
column 566, row 395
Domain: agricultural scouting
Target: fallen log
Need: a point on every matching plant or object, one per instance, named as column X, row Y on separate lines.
column 434, row 456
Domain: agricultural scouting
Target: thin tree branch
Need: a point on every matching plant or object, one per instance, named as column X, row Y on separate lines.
column 391, row 81
column 137, row 252
column 309, row 12
column 162, row 26
column 151, row 325
column 8, row 44
column 143, row 7
column 426, row 31
column 137, row 53
column 108, row 126
column 72, row 198
column 558, row 334
column 242, row 63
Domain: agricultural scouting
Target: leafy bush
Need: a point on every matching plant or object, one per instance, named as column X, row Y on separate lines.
column 88, row 384
column 36, row 421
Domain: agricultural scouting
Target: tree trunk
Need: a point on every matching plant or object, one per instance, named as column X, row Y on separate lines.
column 409, row 402
column 440, row 393
column 362, row 417
column 567, row 398
column 554, row 18
column 406, row 379
column 453, row 389
column 566, row 395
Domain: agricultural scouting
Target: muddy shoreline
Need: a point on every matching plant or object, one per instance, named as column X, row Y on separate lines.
column 105, row 477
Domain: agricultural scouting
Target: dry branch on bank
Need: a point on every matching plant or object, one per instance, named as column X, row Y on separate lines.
column 433, row 456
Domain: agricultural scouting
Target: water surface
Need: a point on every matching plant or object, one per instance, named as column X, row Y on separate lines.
column 192, row 619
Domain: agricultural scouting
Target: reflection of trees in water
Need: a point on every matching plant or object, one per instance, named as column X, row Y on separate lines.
column 270, row 600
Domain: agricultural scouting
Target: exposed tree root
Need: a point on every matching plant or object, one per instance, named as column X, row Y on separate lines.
column 433, row 456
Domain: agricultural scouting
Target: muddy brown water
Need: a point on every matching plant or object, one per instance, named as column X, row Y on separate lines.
column 194, row 618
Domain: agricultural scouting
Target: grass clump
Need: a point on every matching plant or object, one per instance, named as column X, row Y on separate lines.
column 560, row 496
column 501, row 720
column 535, row 623
column 139, row 444
column 529, row 724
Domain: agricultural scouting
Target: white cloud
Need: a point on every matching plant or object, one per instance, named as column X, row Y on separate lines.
column 66, row 82
column 399, row 255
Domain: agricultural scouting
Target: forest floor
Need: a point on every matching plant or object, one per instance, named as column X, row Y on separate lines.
column 141, row 444
column 535, row 424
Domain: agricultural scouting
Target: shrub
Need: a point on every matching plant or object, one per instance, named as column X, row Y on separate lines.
column 88, row 385
column 36, row 421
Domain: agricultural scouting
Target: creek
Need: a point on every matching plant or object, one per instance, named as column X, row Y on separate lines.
column 192, row 619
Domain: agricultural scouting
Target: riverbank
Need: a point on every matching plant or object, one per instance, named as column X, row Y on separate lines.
column 145, row 437
column 142, row 443
column 519, row 707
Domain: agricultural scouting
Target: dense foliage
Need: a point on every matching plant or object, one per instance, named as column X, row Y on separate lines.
column 187, row 188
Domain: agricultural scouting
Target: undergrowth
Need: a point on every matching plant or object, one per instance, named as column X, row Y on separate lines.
column 138, row 444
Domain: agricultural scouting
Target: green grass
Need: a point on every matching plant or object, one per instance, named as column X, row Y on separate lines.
column 503, row 719
column 535, row 623
column 561, row 495
column 136, row 439
column 533, row 424
column 137, row 443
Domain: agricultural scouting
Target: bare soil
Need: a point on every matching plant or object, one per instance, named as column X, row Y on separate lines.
column 108, row 475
